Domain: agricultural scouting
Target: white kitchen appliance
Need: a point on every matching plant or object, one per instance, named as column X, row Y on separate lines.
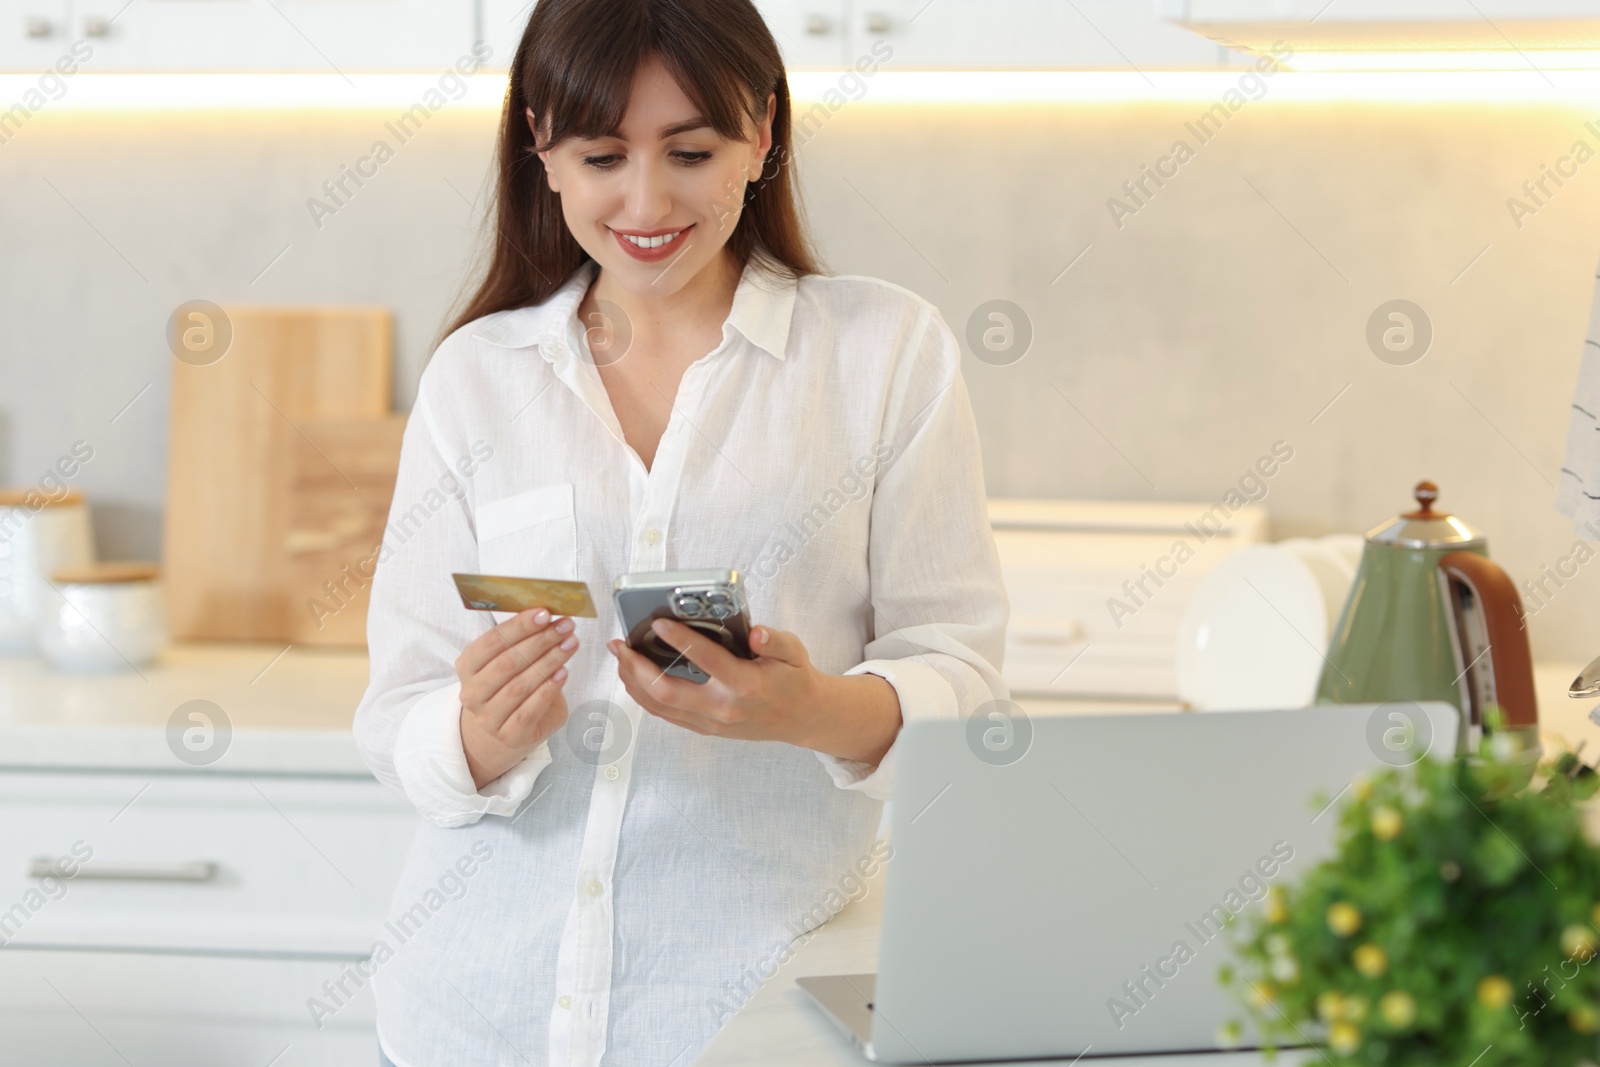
column 1038, row 892
column 1255, row 630
column 1098, row 590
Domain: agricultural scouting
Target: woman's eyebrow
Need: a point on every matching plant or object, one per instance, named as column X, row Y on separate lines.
column 696, row 123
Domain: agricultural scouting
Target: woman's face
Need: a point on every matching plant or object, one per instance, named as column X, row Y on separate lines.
column 665, row 176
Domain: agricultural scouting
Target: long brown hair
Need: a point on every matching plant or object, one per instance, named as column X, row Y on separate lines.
column 575, row 69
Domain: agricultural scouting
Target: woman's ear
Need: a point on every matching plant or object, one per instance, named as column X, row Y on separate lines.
column 544, row 156
column 764, row 133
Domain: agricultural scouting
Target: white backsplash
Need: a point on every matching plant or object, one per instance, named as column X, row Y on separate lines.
column 1221, row 318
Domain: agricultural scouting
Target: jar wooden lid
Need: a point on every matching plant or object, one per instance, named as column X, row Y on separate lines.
column 105, row 573
column 16, row 498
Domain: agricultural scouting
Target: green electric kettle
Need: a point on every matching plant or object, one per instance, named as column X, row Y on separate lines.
column 1430, row 617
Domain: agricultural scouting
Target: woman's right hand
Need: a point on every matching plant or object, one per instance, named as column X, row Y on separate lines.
column 512, row 698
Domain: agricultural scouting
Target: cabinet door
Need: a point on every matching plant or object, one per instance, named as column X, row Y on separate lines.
column 811, row 34
column 34, row 34
column 1026, row 34
column 332, row 36
column 198, row 862
column 85, row 1009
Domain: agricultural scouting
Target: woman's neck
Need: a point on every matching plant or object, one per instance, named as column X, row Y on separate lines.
column 700, row 307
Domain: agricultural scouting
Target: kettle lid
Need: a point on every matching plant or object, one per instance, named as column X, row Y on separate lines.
column 1425, row 527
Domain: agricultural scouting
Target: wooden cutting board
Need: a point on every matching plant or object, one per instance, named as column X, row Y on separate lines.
column 341, row 480
column 225, row 569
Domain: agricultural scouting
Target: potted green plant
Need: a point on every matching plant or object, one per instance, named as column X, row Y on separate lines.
column 1456, row 924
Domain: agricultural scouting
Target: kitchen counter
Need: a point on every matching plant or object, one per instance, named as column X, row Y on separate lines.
column 289, row 710
column 781, row 1027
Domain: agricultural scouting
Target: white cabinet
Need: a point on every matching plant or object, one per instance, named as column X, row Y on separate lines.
column 203, row 914
column 947, row 34
column 87, row 1009
column 348, row 36
column 1026, row 34
column 35, row 34
column 811, row 34
column 331, row 36
column 974, row 35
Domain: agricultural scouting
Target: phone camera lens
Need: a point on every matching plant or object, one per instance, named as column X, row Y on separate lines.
column 688, row 605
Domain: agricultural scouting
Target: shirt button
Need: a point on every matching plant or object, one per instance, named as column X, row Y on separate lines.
column 595, row 889
column 652, row 536
column 565, row 1001
column 612, row 773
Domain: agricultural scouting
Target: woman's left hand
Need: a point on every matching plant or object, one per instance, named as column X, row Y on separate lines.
column 777, row 696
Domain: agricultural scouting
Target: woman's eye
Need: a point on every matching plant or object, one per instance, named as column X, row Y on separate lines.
column 691, row 158
column 609, row 162
column 600, row 162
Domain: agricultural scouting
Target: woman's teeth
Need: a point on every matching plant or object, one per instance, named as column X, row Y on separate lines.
column 653, row 242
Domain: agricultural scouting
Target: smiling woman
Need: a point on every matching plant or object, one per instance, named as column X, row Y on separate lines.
column 666, row 382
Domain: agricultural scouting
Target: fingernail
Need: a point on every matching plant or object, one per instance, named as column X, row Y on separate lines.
column 541, row 616
column 611, row 646
column 660, row 627
column 564, row 626
column 761, row 635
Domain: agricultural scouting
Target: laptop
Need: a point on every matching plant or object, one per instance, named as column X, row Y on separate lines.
column 1064, row 895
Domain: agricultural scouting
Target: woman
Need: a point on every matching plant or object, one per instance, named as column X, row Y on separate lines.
column 611, row 859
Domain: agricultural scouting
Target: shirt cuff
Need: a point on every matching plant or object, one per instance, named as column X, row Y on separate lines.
column 432, row 765
column 924, row 694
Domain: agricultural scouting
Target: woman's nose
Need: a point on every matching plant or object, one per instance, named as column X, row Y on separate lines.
column 649, row 194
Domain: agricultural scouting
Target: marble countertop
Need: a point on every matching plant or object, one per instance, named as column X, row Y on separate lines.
column 289, row 710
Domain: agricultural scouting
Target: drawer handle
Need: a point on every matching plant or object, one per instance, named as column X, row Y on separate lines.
column 44, row 867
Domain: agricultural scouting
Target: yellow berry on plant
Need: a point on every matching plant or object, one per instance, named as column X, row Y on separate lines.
column 1386, row 823
column 1370, row 960
column 1344, row 1038
column 1494, row 992
column 1343, row 919
column 1578, row 942
column 1398, row 1009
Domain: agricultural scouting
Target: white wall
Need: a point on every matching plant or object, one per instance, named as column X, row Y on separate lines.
column 1215, row 321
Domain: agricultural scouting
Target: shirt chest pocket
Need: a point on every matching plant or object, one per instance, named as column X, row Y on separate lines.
column 533, row 534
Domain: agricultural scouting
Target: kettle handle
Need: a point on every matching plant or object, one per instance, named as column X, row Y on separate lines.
column 1500, row 609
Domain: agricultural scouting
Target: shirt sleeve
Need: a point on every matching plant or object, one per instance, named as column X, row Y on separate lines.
column 408, row 724
column 938, row 602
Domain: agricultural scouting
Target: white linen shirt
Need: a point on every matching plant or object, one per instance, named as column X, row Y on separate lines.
column 635, row 881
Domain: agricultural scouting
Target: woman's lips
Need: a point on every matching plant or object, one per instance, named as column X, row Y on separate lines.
column 654, row 255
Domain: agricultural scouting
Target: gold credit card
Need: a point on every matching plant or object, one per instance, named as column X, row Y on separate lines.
column 488, row 592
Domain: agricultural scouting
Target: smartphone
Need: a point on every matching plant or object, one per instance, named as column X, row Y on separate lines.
column 710, row 601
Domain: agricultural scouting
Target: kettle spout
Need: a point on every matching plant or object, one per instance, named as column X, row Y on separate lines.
column 1586, row 684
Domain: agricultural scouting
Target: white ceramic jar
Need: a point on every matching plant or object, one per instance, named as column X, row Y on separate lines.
column 37, row 535
column 105, row 617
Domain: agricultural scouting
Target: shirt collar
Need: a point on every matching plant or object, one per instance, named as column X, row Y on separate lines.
column 763, row 304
